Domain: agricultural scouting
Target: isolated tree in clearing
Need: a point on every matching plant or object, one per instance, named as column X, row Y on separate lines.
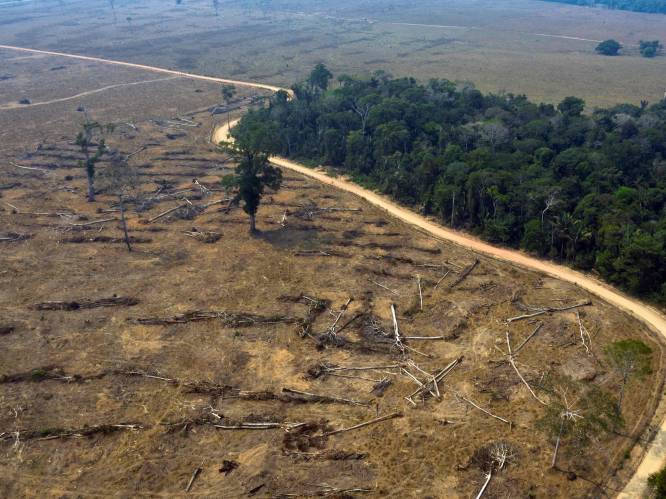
column 253, row 142
column 650, row 49
column 609, row 47
column 121, row 180
column 91, row 137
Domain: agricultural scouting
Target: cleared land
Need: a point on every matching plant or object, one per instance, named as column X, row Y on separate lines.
column 521, row 46
column 319, row 252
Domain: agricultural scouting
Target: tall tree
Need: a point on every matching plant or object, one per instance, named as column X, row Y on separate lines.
column 319, row 77
column 92, row 144
column 253, row 141
column 122, row 181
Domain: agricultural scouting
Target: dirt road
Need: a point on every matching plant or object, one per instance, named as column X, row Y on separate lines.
column 656, row 454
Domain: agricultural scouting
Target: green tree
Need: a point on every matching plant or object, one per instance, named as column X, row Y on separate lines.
column 630, row 358
column 650, row 49
column 254, row 141
column 571, row 107
column 89, row 139
column 319, row 77
column 609, row 47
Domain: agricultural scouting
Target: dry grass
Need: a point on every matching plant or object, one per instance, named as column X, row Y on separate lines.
column 427, row 452
column 499, row 46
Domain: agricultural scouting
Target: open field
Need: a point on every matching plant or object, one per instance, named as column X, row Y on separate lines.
column 84, row 367
column 521, row 46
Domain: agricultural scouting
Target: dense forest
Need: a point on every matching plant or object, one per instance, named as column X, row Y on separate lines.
column 652, row 6
column 588, row 189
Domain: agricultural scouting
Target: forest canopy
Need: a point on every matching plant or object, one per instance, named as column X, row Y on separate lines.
column 588, row 189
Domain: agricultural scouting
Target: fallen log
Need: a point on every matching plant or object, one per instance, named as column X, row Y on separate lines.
column 546, row 310
column 229, row 319
column 114, row 301
column 313, row 397
column 57, row 433
column 463, row 275
column 165, row 213
column 94, row 222
column 485, row 411
column 362, row 425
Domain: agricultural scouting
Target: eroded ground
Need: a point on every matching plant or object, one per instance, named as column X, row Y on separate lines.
column 211, row 333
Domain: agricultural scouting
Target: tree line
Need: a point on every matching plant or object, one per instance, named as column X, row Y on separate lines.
column 650, row 6
column 588, row 189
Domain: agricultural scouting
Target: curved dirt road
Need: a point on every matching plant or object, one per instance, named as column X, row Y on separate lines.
column 656, row 454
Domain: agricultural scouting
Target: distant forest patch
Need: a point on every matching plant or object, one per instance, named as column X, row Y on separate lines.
column 650, row 6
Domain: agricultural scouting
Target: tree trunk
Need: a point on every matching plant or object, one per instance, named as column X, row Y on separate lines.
column 90, row 173
column 557, row 445
column 253, row 224
column 124, row 222
column 453, row 208
column 621, row 396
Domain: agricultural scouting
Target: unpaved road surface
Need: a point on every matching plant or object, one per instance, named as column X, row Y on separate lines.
column 656, row 454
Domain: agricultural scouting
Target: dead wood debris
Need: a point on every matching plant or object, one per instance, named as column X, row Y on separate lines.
column 463, row 275
column 364, row 424
column 429, row 386
column 328, row 455
column 536, row 311
column 40, row 374
column 203, row 236
column 57, row 433
column 307, row 436
column 316, row 307
column 228, row 466
column 229, row 319
column 462, row 397
column 300, row 396
column 5, row 330
column 105, row 239
column 12, row 237
column 114, row 301
column 195, row 474
column 326, row 490
column 326, row 253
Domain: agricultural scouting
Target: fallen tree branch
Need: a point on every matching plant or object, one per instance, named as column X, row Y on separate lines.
column 546, row 310
column 538, row 328
column 114, row 301
column 385, row 287
column 362, row 425
column 165, row 213
column 585, row 338
column 229, row 319
column 515, row 368
column 463, row 275
column 485, row 411
column 313, row 397
column 94, row 222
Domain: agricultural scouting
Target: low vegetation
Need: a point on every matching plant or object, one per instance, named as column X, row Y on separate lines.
column 586, row 189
